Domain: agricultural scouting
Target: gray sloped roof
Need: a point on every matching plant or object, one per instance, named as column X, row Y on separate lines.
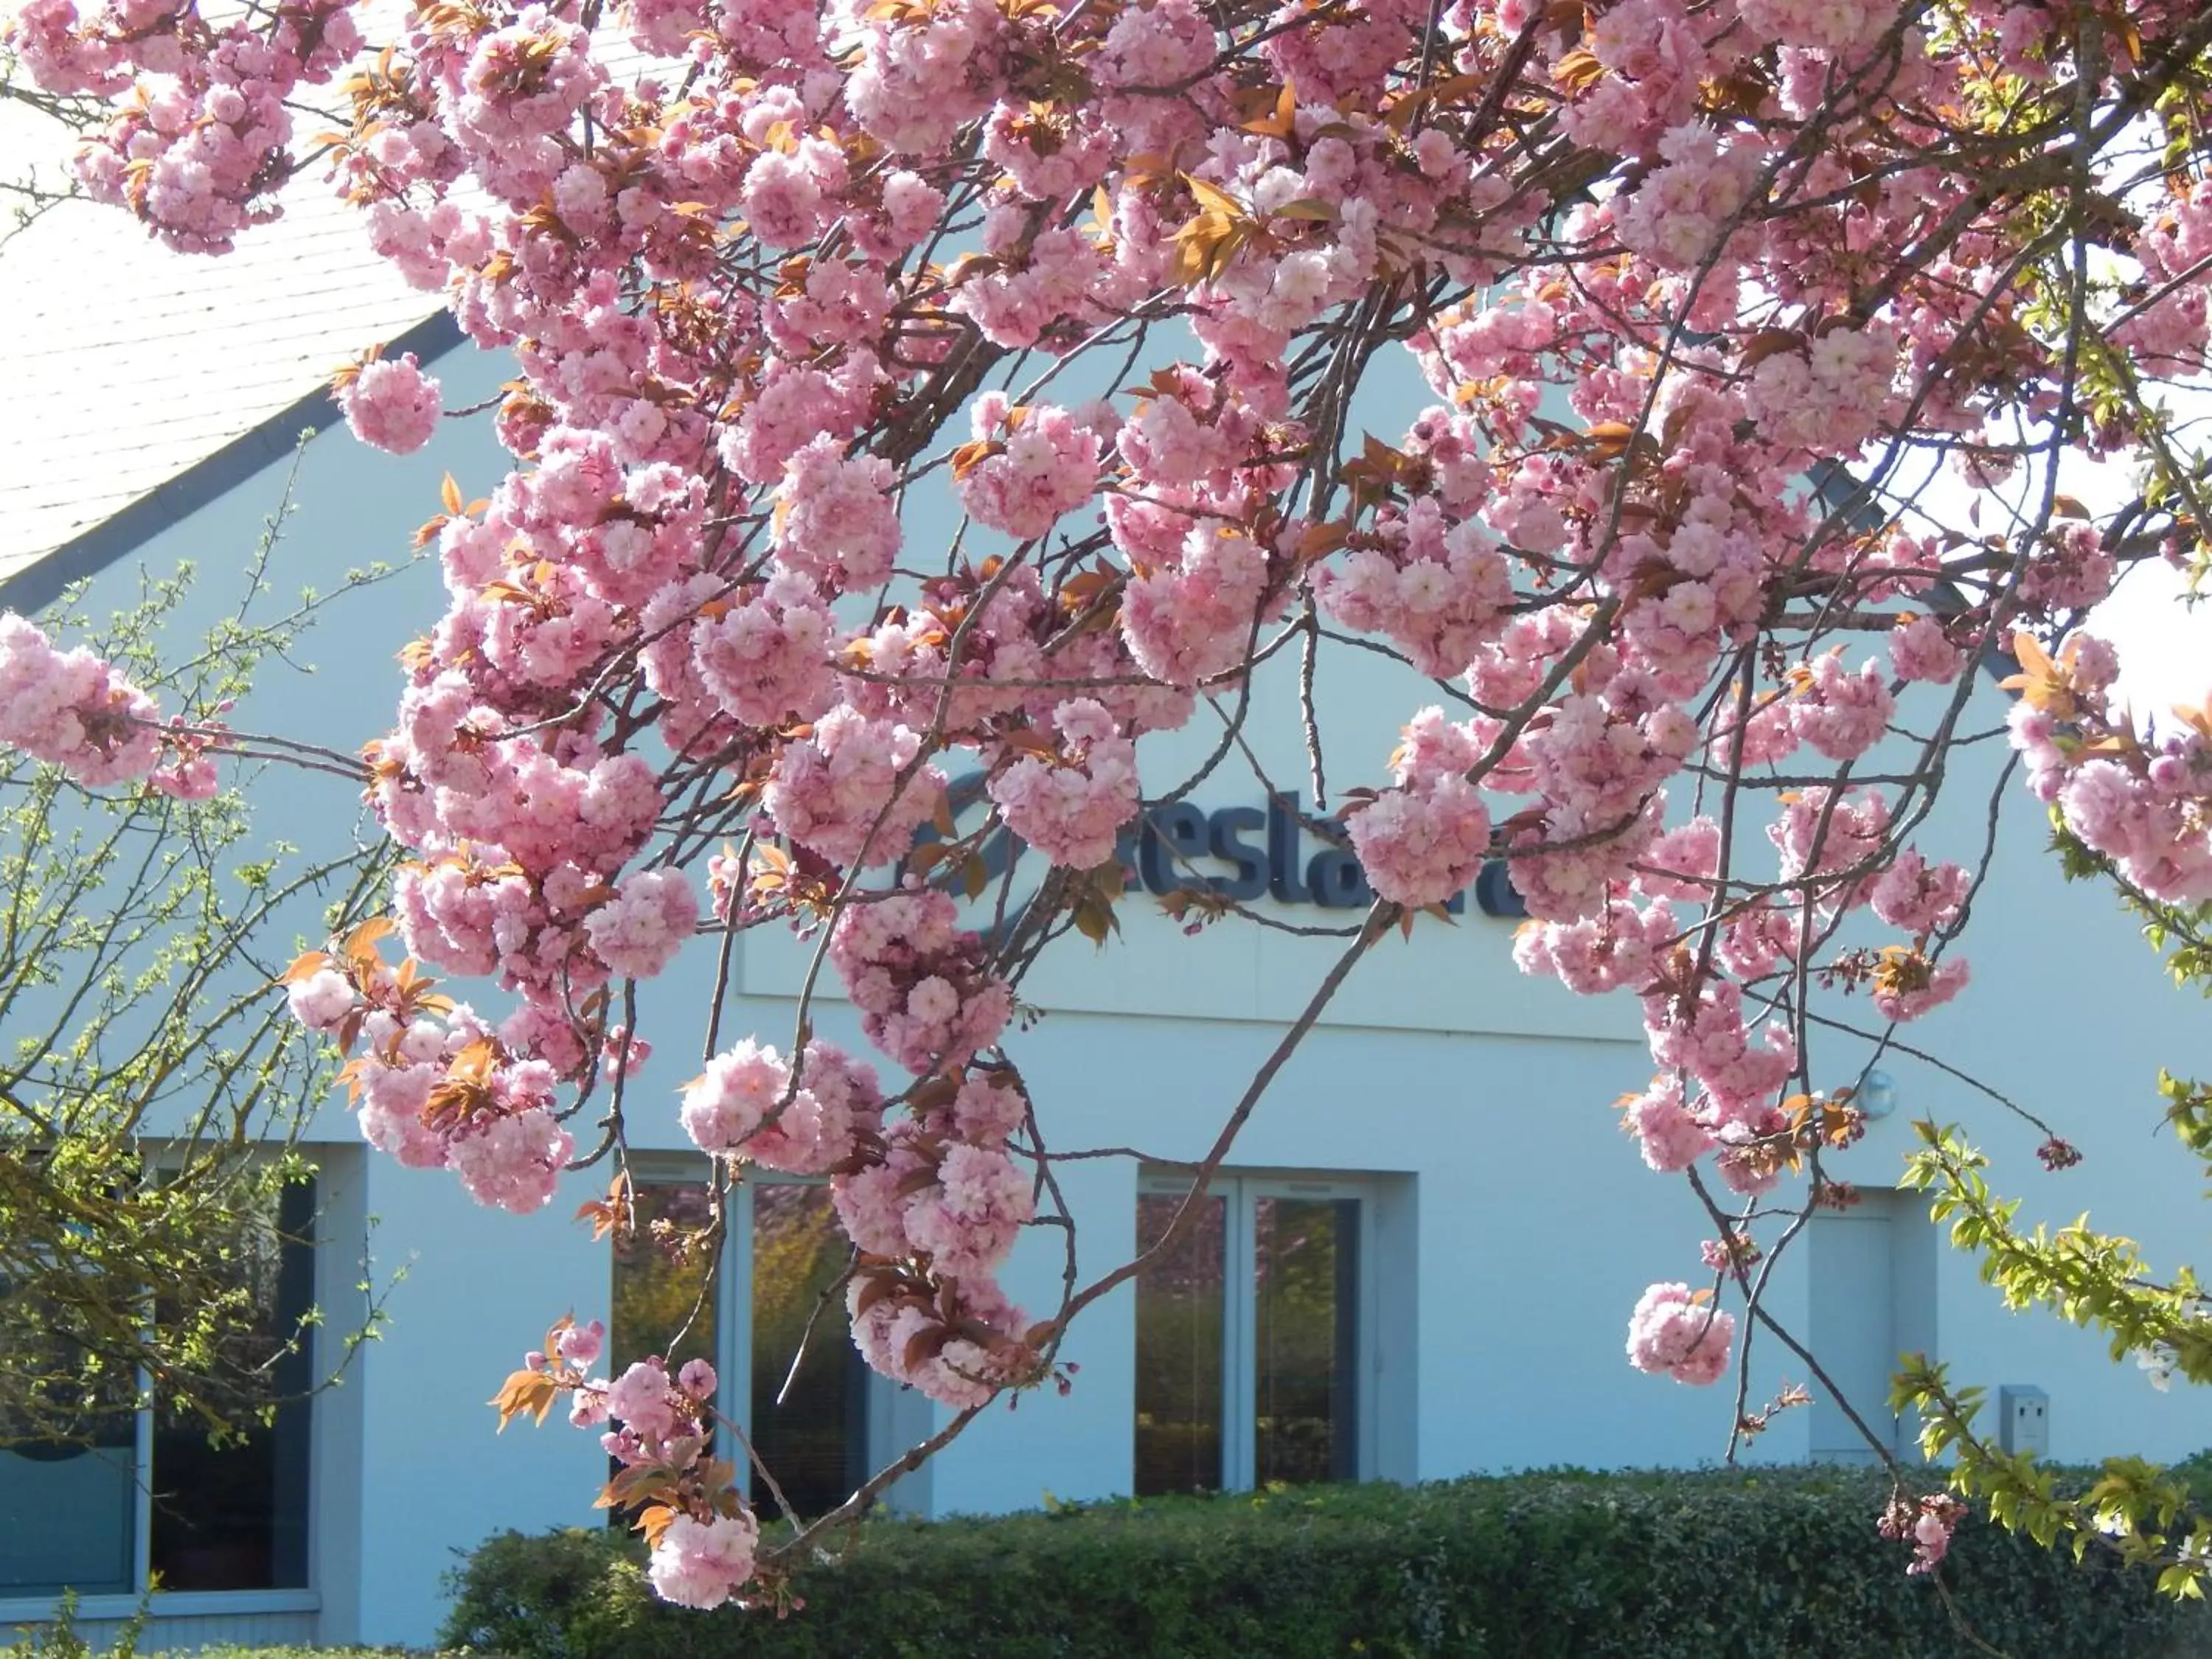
column 136, row 382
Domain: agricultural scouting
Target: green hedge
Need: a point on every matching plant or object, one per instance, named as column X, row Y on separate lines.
column 1775, row 1564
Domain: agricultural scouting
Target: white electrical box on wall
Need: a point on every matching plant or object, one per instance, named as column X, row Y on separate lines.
column 2023, row 1420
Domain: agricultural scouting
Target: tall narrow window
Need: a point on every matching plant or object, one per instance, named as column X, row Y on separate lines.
column 1179, row 1348
column 234, row 1515
column 665, row 1283
column 1251, row 1330
column 812, row 1433
column 754, row 1319
column 1305, row 1291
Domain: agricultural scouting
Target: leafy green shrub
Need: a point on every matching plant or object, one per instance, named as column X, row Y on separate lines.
column 537, row 1598
column 1772, row 1564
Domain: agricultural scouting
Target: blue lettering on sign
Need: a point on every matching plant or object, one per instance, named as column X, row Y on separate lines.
column 1267, row 853
column 1260, row 852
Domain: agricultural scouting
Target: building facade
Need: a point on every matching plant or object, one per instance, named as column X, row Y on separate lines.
column 1419, row 1262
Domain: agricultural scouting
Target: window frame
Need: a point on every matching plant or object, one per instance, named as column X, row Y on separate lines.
column 1240, row 1191
column 36, row 1606
column 893, row 1416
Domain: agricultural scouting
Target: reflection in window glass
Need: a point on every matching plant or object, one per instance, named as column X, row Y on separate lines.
column 814, row 1441
column 663, row 1300
column 68, row 1510
column 234, row 1517
column 1304, row 1331
column 664, row 1288
column 66, row 1515
column 1179, row 1349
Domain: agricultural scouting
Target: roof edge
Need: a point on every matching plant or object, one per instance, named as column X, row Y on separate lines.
column 39, row 583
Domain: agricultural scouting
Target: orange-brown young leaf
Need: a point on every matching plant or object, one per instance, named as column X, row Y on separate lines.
column 526, row 1392
column 305, row 967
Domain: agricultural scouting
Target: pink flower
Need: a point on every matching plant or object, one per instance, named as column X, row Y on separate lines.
column 1842, row 715
column 1038, row 464
column 915, row 975
column 697, row 1379
column 767, row 660
column 1426, row 840
column 1676, row 1334
column 835, row 519
column 321, row 1000
column 639, row 931
column 971, row 1224
column 512, row 1162
column 71, row 709
column 1920, row 650
column 1188, row 620
column 1071, row 807
column 391, row 405
column 703, row 1564
column 1668, row 1136
column 726, row 1102
column 581, row 1344
column 851, row 791
column 639, row 1398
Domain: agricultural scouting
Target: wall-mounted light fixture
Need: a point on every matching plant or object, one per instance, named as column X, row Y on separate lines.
column 1877, row 1095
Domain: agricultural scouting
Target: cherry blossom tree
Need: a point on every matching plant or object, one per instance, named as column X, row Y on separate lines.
column 1762, row 342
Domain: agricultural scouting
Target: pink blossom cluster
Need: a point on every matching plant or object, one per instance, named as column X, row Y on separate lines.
column 919, row 980
column 1678, row 1333
column 1841, row 714
column 1921, row 649
column 1667, row 1132
column 1194, row 615
column 390, row 404
column 1426, row 839
column 1189, row 431
column 1918, row 897
column 705, row 1542
column 934, row 1206
column 1437, row 592
column 437, row 1094
column 1071, row 803
column 199, row 146
column 703, row 1564
column 1709, row 1039
column 1827, row 397
column 1927, row 1523
column 638, row 931
column 836, row 520
column 1038, row 464
column 1619, row 948
column 853, row 789
column 1683, row 214
column 434, row 1085
column 959, row 1344
column 71, row 709
column 765, row 659
column 957, row 1205
column 2142, row 799
column 2171, row 332
column 748, row 1104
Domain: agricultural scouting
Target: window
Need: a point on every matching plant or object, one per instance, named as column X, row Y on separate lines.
column 150, row 1494
column 787, row 1253
column 1259, row 1335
